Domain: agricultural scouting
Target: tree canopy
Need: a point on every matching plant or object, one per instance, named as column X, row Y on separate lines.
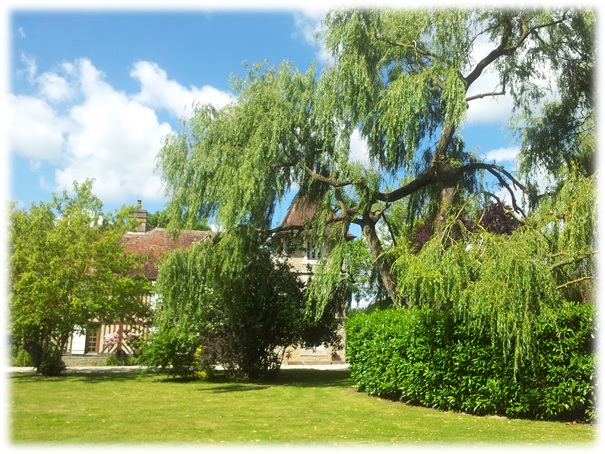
column 404, row 79
column 69, row 272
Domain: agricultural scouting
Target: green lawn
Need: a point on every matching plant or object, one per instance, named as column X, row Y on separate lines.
column 299, row 407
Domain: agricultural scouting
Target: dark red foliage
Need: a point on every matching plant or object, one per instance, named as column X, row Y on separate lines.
column 495, row 219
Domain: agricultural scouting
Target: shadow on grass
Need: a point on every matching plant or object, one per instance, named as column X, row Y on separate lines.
column 304, row 378
column 234, row 387
column 309, row 378
column 90, row 377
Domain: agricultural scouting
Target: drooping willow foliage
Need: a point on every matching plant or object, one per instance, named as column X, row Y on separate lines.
column 229, row 302
column 229, row 299
column 498, row 284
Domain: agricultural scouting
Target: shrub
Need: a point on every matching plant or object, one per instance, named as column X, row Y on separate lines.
column 429, row 357
column 20, row 358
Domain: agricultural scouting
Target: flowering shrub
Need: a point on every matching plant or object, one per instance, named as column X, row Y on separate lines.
column 131, row 338
column 135, row 340
column 112, row 339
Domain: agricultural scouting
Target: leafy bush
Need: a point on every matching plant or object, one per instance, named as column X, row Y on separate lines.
column 429, row 357
column 20, row 358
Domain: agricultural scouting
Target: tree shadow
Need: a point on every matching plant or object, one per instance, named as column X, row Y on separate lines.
column 310, row 378
column 89, row 377
column 235, row 387
column 304, row 378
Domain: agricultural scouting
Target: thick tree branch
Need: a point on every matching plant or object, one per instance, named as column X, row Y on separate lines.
column 298, row 228
column 484, row 95
column 332, row 181
column 501, row 50
column 423, row 180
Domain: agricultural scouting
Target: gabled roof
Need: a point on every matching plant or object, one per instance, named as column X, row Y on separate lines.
column 301, row 211
column 157, row 242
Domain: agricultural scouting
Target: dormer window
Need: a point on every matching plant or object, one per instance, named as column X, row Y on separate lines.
column 313, row 251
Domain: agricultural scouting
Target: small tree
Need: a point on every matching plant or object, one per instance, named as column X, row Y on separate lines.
column 68, row 272
column 229, row 302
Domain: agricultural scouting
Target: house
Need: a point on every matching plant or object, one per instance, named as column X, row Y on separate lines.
column 304, row 257
column 155, row 243
column 93, row 346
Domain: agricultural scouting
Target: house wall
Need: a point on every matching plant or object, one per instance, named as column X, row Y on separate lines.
column 82, row 344
column 317, row 354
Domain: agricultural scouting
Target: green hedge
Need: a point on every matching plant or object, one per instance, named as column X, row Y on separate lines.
column 427, row 357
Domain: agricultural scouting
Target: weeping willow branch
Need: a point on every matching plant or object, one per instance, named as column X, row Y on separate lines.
column 498, row 171
column 570, row 261
column 575, row 281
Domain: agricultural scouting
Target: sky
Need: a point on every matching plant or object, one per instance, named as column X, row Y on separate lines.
column 93, row 92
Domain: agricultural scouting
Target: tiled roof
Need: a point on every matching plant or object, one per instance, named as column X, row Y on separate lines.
column 300, row 212
column 157, row 242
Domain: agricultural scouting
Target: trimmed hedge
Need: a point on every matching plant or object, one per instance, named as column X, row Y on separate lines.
column 427, row 357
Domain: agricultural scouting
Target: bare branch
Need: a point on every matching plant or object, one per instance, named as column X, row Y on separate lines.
column 484, row 95
column 503, row 206
column 569, row 262
column 498, row 171
column 388, row 224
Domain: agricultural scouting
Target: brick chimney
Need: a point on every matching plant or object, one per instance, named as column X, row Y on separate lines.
column 141, row 215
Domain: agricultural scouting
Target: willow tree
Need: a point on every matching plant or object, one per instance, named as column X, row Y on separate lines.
column 404, row 79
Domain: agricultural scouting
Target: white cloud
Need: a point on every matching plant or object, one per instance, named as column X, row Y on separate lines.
column 308, row 25
column 88, row 129
column 35, row 129
column 114, row 139
column 359, row 149
column 30, row 66
column 159, row 92
column 54, row 87
column 502, row 154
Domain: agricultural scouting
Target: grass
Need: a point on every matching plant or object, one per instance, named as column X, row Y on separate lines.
column 299, row 407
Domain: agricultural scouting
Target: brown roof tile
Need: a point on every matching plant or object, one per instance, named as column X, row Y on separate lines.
column 157, row 242
column 301, row 211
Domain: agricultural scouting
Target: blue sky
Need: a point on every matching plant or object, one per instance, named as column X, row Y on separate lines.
column 93, row 92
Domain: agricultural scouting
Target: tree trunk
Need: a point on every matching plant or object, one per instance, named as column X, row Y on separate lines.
column 382, row 262
column 446, row 175
column 445, row 203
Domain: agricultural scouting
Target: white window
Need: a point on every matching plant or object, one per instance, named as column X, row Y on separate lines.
column 313, row 251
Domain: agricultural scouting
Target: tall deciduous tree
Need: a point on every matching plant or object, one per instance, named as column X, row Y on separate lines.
column 405, row 80
column 69, row 272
